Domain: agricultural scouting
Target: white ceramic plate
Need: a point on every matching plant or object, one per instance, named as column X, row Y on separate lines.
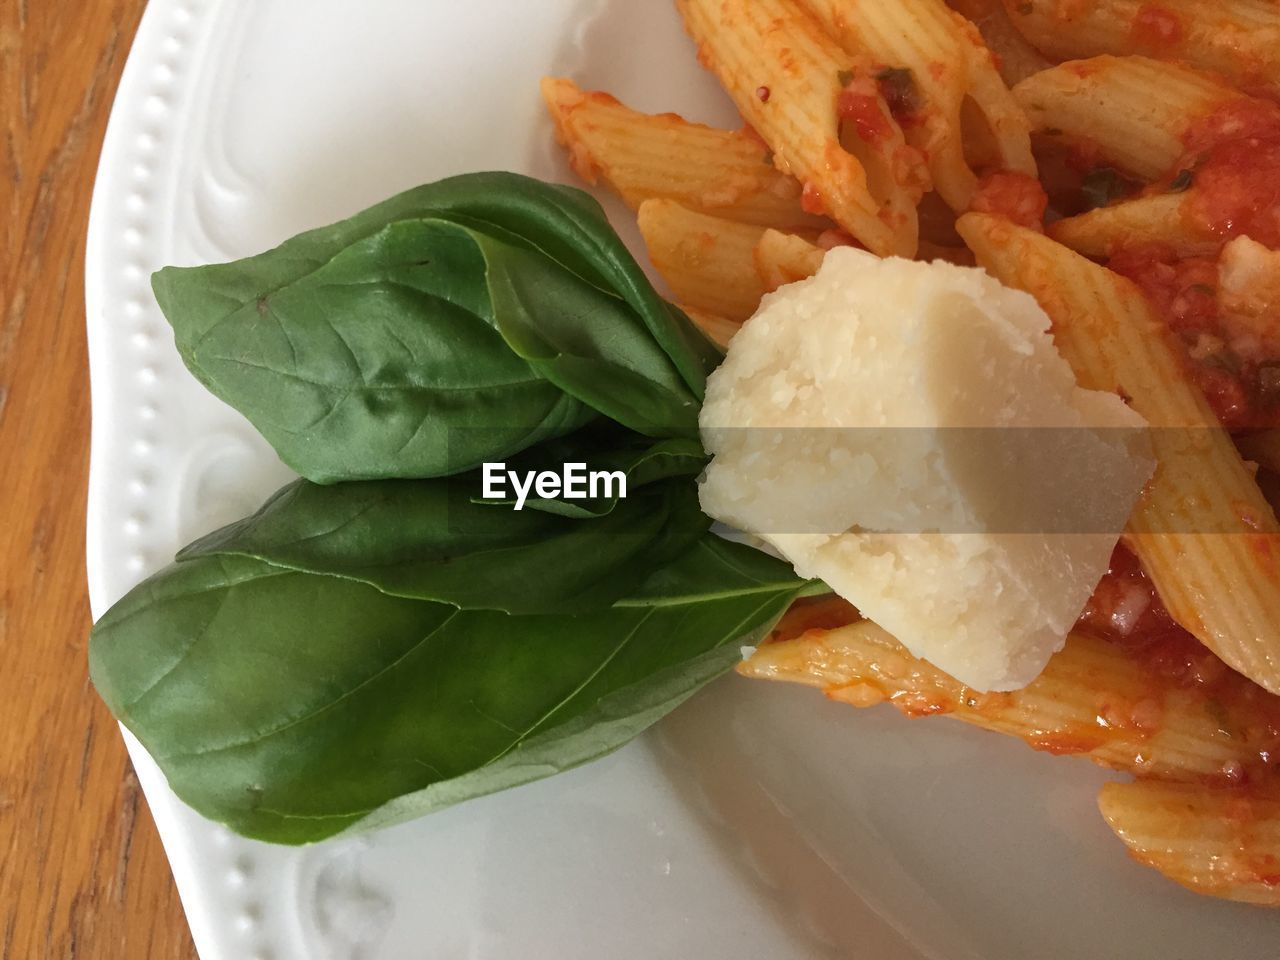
column 758, row 821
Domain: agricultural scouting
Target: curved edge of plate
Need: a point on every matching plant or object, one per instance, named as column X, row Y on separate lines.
column 130, row 463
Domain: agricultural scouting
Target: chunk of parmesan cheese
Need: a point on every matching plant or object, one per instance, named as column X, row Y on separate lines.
column 908, row 433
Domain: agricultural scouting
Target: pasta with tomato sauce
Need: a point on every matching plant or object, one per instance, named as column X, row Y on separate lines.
column 1205, row 262
column 1120, row 162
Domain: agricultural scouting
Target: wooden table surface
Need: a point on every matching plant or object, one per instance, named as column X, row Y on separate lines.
column 82, row 873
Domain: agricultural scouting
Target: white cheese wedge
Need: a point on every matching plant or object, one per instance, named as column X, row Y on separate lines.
column 908, row 433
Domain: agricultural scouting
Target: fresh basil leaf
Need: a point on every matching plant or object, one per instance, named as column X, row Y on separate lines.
column 430, row 540
column 585, row 341
column 717, row 569
column 382, row 362
column 293, row 706
column 569, row 226
column 460, row 322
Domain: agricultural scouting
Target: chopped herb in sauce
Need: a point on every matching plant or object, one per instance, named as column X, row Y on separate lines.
column 1181, row 182
column 1223, row 360
column 898, row 87
column 1103, row 185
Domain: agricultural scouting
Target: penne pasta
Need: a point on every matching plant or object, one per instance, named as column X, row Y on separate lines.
column 783, row 258
column 642, row 157
column 709, row 263
column 786, row 77
column 1161, row 219
column 906, row 127
column 1148, row 119
column 1015, row 58
column 1220, row 842
column 961, row 256
column 938, row 76
column 1203, row 531
column 1237, row 38
column 719, row 329
column 1130, row 112
column 1094, row 698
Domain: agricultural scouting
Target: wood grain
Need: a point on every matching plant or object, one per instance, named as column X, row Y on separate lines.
column 82, row 874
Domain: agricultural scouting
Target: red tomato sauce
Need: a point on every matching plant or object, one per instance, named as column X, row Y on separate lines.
column 1232, row 171
column 1125, row 610
column 811, row 200
column 1015, row 196
column 864, row 112
column 1233, row 155
column 1242, row 118
column 1238, row 189
column 826, row 612
column 1184, row 291
column 1156, row 27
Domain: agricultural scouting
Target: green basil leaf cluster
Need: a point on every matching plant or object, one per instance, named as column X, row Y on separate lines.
column 432, row 540
column 379, row 640
column 292, row 706
column 460, row 322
